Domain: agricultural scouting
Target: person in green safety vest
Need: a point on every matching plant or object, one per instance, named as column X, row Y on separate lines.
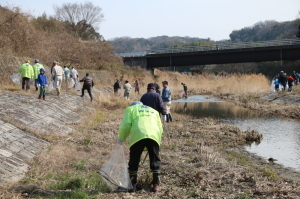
column 142, row 124
column 36, row 69
column 27, row 74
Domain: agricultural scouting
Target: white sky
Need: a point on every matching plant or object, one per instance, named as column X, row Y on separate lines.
column 215, row 19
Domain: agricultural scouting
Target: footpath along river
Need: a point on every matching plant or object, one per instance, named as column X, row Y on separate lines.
column 281, row 137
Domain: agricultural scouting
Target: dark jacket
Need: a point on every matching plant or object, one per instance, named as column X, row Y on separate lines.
column 282, row 79
column 153, row 99
column 117, row 85
column 42, row 79
column 87, row 81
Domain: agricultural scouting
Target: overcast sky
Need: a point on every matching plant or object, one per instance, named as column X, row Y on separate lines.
column 214, row 19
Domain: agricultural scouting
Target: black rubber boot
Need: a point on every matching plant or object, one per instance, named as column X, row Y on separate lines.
column 170, row 117
column 133, row 179
column 155, row 182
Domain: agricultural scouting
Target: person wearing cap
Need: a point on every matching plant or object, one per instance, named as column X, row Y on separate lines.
column 36, row 69
column 74, row 75
column 57, row 75
column 42, row 81
column 127, row 89
column 27, row 73
column 153, row 99
column 143, row 126
column 67, row 74
column 88, row 84
column 166, row 97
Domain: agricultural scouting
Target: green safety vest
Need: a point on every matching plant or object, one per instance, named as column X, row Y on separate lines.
column 140, row 122
column 26, row 70
column 36, row 69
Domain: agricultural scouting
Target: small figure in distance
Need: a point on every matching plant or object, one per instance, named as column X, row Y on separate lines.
column 166, row 97
column 57, row 75
column 27, row 73
column 185, row 89
column 67, row 74
column 42, row 80
column 127, row 89
column 88, row 84
column 136, row 86
column 74, row 75
column 36, row 70
column 117, row 86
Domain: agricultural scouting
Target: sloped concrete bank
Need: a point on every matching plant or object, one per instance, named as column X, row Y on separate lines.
column 22, row 114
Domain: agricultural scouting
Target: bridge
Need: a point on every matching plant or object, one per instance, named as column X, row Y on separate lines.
column 217, row 53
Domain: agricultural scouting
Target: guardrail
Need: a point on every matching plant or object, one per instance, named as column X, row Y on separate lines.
column 226, row 46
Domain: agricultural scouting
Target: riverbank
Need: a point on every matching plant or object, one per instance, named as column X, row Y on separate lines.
column 201, row 158
column 282, row 104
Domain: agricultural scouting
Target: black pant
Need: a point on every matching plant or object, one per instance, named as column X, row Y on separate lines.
column 136, row 151
column 25, row 81
column 88, row 88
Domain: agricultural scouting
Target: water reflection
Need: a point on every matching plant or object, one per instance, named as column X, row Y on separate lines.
column 281, row 136
column 218, row 110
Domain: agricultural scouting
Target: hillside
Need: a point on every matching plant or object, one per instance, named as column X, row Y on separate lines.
column 127, row 44
column 267, row 30
column 48, row 39
column 261, row 31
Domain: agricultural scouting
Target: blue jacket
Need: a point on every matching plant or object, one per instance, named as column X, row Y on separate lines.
column 166, row 94
column 42, row 79
column 153, row 99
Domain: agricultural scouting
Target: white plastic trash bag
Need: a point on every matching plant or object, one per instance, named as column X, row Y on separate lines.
column 272, row 88
column 77, row 86
column 71, row 83
column 16, row 78
column 51, row 86
column 115, row 172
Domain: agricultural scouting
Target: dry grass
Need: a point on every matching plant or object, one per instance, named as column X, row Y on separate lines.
column 233, row 84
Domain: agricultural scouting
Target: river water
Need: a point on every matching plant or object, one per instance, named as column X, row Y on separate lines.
column 281, row 137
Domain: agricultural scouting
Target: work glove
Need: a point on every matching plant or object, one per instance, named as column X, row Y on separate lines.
column 164, row 118
column 119, row 141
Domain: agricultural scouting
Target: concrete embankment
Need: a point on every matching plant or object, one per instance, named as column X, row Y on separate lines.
column 23, row 118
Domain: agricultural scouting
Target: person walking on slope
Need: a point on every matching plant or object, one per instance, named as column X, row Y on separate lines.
column 136, row 86
column 143, row 126
column 290, row 81
column 42, row 80
column 185, row 89
column 127, row 88
column 166, row 97
column 74, row 75
column 117, row 86
column 57, row 76
column 67, row 74
column 36, row 70
column 88, row 84
column 153, row 99
column 27, row 73
column 282, row 79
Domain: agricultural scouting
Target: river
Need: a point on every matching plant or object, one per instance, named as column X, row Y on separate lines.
column 281, row 137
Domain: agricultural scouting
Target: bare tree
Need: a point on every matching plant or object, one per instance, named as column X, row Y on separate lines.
column 76, row 12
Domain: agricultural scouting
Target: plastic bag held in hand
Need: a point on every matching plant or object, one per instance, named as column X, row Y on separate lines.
column 115, row 172
column 16, row 78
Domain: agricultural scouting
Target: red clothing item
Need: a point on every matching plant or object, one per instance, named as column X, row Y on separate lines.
column 290, row 78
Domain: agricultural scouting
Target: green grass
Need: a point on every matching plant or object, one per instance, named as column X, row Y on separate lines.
column 239, row 158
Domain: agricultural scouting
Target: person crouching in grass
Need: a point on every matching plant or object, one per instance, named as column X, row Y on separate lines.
column 42, row 81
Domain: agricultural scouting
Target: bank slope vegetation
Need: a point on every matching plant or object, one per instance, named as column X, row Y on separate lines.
column 47, row 38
